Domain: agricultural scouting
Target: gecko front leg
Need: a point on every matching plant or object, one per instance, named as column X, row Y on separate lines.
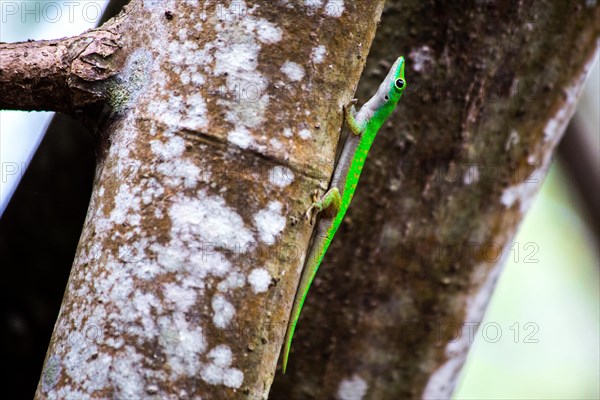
column 349, row 118
column 331, row 201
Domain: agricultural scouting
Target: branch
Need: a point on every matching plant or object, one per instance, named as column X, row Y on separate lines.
column 65, row 75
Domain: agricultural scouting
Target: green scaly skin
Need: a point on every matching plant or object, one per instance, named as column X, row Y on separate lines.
column 363, row 126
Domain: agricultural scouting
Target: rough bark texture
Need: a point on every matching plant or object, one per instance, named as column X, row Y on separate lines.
column 491, row 86
column 224, row 120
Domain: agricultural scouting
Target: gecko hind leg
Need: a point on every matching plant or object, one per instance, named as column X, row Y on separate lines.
column 330, row 203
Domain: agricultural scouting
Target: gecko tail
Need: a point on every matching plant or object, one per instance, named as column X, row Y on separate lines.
column 288, row 343
column 313, row 262
column 286, row 354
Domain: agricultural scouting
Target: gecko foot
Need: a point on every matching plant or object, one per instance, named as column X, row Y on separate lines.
column 314, row 209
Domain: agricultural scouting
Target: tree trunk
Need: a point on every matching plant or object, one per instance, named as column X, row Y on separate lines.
column 217, row 121
column 209, row 117
column 491, row 87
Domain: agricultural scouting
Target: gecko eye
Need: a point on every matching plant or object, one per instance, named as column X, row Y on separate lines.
column 399, row 83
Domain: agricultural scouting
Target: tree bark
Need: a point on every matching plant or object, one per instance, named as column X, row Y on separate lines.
column 491, row 87
column 213, row 136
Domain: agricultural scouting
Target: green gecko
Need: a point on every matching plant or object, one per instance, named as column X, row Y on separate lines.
column 363, row 127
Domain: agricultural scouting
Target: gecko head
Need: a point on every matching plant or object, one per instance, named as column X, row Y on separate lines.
column 394, row 82
column 383, row 103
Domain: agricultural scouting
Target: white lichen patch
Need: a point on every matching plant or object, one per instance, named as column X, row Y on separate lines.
column 179, row 297
column 218, row 372
column 81, row 350
column 221, row 356
column 182, row 34
column 179, row 172
column 209, row 219
column 169, row 111
column 391, row 236
column 172, row 257
column 234, row 280
column 242, row 138
column 125, row 90
column 207, row 261
column 182, row 343
column 127, row 202
column 275, row 144
column 304, row 134
column 196, row 117
column 223, row 311
column 334, row 8
column 270, row 222
column 259, row 279
column 313, row 4
column 294, row 72
column 268, row 32
column 142, row 306
column 51, row 373
column 125, row 376
column 173, row 148
column 233, row 378
column 557, row 124
column 353, row 388
column 237, row 61
column 512, row 140
column 318, row 54
column 523, row 192
column 281, row 176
